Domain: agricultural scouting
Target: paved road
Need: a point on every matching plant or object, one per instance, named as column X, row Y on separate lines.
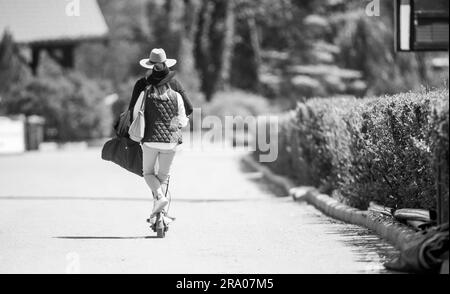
column 69, row 211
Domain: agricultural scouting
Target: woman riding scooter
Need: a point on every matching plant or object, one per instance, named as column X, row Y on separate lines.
column 165, row 111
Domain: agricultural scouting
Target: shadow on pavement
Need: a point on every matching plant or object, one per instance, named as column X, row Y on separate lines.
column 105, row 237
column 369, row 248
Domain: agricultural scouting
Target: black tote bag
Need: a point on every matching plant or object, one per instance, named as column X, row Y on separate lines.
column 122, row 150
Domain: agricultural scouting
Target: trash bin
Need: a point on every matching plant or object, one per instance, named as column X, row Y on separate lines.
column 34, row 132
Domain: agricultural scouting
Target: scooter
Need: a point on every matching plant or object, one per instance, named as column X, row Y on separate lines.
column 161, row 226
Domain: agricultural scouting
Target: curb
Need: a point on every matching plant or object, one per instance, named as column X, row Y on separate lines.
column 395, row 233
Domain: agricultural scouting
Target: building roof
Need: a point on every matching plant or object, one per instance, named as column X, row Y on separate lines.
column 49, row 21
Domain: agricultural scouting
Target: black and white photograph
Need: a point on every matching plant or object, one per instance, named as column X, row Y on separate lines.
column 236, row 139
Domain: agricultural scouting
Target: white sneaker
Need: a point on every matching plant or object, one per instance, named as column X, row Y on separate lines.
column 159, row 205
column 152, row 220
column 169, row 219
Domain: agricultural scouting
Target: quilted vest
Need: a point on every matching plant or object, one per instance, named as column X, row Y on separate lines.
column 161, row 110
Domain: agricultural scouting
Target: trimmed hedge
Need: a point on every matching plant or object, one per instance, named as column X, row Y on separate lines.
column 374, row 149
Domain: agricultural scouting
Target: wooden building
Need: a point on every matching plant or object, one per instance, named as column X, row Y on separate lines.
column 56, row 26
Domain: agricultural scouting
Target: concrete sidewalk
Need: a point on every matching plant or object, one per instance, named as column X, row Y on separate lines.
column 69, row 211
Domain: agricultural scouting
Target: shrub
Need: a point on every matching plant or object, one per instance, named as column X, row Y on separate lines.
column 374, row 149
column 391, row 147
column 70, row 103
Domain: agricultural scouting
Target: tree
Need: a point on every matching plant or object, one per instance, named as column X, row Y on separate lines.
column 246, row 59
column 12, row 66
column 214, row 42
column 129, row 39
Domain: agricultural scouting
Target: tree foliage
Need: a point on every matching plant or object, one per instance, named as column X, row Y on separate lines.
column 239, row 44
column 294, row 49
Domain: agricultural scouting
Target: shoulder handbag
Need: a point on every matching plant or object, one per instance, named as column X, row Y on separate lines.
column 121, row 150
column 137, row 127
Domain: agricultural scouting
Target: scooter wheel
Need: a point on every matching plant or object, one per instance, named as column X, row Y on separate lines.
column 160, row 226
column 160, row 232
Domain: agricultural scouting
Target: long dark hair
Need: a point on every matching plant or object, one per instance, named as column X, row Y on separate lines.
column 160, row 89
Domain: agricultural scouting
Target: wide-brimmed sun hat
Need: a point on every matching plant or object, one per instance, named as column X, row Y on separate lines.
column 158, row 55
